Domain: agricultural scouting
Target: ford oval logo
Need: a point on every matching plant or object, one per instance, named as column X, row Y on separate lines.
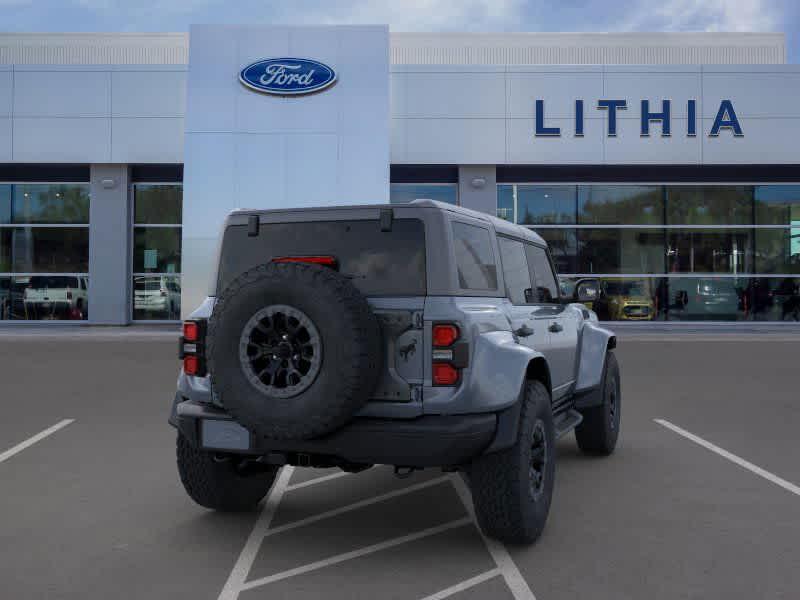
column 287, row 76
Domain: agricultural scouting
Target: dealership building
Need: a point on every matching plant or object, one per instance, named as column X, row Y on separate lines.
column 665, row 165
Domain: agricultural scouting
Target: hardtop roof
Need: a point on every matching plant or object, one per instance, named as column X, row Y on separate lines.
column 500, row 225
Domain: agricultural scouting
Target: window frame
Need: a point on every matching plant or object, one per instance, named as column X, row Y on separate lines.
column 553, row 271
column 499, row 290
column 523, row 242
column 82, row 276
column 133, row 274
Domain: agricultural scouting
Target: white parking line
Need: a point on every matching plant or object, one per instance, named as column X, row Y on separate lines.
column 788, row 486
column 36, row 438
column 333, row 560
column 464, row 585
column 356, row 505
column 323, row 479
column 505, row 564
column 245, row 561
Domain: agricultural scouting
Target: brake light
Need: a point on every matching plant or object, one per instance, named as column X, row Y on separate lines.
column 191, row 349
column 191, row 331
column 191, row 365
column 327, row 261
column 445, row 374
column 444, row 335
column 448, row 354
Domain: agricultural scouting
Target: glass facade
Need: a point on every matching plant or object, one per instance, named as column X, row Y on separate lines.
column 671, row 252
column 400, row 193
column 156, row 285
column 44, row 251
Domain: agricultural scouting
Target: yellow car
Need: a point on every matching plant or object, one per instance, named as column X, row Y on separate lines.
column 625, row 300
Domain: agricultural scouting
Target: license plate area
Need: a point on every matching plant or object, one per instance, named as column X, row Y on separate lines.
column 223, row 435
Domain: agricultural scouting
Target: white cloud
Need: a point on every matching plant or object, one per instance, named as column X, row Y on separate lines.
column 413, row 15
column 704, row 15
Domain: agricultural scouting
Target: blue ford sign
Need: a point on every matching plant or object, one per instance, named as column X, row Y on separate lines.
column 287, row 76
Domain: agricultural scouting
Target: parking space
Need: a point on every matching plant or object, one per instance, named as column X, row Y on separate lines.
column 95, row 509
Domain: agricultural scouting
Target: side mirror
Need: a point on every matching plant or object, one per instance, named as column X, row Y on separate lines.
column 586, row 290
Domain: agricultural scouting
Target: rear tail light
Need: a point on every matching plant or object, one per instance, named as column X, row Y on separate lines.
column 326, row 261
column 191, row 331
column 449, row 355
column 444, row 335
column 191, row 365
column 445, row 374
column 192, row 348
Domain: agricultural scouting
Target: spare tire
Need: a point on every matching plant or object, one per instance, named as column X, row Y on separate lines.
column 293, row 350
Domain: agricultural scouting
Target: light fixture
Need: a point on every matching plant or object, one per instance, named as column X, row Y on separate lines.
column 478, row 182
column 108, row 183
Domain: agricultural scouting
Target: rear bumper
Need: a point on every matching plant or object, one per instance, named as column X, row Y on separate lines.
column 428, row 441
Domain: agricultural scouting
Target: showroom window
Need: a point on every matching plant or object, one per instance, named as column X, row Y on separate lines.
column 400, row 193
column 157, row 216
column 44, row 251
column 678, row 252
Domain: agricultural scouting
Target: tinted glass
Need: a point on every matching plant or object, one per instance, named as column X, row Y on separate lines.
column 563, row 244
column 156, row 249
column 546, row 285
column 707, row 299
column 159, row 204
column 620, row 251
column 156, row 297
column 515, row 270
column 44, row 203
column 474, row 257
column 775, row 299
column 630, row 299
column 620, row 204
column 505, row 202
column 44, row 297
column 400, row 193
column 709, row 205
column 538, row 204
column 778, row 250
column 44, row 250
column 379, row 263
column 710, row 251
column 777, row 205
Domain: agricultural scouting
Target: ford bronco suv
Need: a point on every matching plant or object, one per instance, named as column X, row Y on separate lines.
column 417, row 335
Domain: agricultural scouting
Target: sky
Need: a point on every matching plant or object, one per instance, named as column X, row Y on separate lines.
column 413, row 15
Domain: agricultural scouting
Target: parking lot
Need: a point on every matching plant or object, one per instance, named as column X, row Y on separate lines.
column 699, row 501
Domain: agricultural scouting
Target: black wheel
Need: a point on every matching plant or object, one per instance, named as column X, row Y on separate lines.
column 598, row 432
column 512, row 489
column 222, row 482
column 293, row 350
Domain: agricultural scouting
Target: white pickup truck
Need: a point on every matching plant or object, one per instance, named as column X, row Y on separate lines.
column 56, row 296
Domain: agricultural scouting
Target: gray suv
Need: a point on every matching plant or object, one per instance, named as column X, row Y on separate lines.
column 418, row 335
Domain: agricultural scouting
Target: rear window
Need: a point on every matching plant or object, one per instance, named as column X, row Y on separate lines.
column 380, row 263
column 39, row 282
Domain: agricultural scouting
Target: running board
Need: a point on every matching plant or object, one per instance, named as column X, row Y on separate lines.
column 566, row 422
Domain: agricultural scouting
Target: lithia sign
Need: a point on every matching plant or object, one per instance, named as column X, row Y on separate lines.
column 725, row 120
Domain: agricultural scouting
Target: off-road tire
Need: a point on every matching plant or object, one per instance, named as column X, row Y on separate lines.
column 351, row 350
column 505, row 506
column 214, row 482
column 598, row 432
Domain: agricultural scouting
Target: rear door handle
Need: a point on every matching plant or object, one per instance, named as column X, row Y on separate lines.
column 555, row 327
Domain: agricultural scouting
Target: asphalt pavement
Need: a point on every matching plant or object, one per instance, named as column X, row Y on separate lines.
column 699, row 501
